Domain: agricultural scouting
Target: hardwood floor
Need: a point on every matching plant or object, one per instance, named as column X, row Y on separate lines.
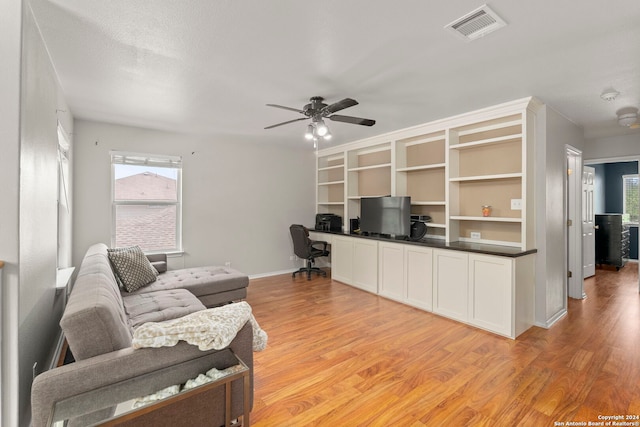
column 340, row 356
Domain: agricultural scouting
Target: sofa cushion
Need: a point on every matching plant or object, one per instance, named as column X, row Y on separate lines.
column 94, row 321
column 200, row 281
column 160, row 306
column 132, row 267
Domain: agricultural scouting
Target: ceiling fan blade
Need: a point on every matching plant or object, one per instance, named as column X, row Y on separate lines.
column 286, row 123
column 286, row 108
column 352, row 120
column 340, row 105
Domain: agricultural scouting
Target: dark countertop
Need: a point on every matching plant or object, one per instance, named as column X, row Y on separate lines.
column 499, row 250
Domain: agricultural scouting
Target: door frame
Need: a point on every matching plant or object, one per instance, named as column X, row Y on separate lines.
column 636, row 159
column 573, row 215
column 588, row 222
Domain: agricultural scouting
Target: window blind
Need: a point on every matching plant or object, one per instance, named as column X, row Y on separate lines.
column 137, row 159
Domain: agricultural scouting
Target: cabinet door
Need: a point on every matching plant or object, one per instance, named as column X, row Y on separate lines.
column 391, row 270
column 365, row 264
column 342, row 259
column 419, row 276
column 450, row 283
column 490, row 293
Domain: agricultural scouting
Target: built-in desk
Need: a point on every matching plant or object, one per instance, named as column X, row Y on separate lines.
column 487, row 286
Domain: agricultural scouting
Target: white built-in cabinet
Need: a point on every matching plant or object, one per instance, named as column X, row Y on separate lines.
column 451, row 284
column 501, row 293
column 391, row 271
column 418, row 267
column 491, row 292
column 451, row 168
column 495, row 293
column 354, row 261
column 405, row 274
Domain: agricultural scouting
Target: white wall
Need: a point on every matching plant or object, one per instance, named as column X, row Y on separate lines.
column 10, row 52
column 238, row 198
column 553, row 134
column 615, row 146
column 29, row 213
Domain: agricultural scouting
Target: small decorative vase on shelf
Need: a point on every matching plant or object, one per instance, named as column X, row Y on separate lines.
column 486, row 210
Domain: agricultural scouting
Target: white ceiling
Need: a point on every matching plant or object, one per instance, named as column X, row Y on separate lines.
column 210, row 66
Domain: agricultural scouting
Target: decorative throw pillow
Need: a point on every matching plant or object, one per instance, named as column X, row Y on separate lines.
column 132, row 267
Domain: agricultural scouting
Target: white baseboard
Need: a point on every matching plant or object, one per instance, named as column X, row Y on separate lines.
column 272, row 273
column 551, row 321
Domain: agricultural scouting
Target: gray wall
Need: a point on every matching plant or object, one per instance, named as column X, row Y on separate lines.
column 612, row 147
column 238, row 198
column 553, row 135
column 10, row 45
column 28, row 219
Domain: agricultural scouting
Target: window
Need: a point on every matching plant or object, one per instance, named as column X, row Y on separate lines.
column 64, row 202
column 146, row 197
column 630, row 198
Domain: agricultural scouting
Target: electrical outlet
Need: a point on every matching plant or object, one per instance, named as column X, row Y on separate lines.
column 516, row 204
column 475, row 235
column 292, row 258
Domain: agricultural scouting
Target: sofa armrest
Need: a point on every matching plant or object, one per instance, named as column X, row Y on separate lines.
column 91, row 374
column 159, row 261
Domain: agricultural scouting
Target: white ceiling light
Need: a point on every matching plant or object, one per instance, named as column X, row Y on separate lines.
column 321, row 128
column 476, row 24
column 627, row 116
column 609, row 94
column 309, row 133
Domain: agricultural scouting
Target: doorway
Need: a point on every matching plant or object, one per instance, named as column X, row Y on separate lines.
column 612, row 179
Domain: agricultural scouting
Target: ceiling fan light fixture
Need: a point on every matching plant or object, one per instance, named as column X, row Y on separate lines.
column 627, row 116
column 321, row 128
column 309, row 133
column 327, row 136
column 627, row 119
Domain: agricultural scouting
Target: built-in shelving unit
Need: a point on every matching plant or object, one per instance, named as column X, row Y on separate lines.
column 369, row 175
column 451, row 168
column 421, row 173
column 486, row 169
column 331, row 184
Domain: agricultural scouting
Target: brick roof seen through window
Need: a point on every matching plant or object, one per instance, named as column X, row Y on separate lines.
column 152, row 227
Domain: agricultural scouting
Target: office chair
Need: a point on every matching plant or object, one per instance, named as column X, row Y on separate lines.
column 304, row 248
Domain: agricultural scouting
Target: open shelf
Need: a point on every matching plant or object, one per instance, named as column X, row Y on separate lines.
column 364, row 168
column 488, row 141
column 422, row 167
column 331, row 183
column 485, row 218
column 487, row 177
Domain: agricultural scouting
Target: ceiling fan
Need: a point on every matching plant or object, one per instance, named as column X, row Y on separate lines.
column 317, row 110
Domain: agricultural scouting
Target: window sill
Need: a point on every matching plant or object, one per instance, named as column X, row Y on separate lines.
column 169, row 254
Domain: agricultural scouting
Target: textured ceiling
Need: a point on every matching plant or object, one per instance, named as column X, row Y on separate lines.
column 210, row 66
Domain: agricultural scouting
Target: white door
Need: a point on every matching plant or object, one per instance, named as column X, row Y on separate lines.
column 451, row 284
column 573, row 215
column 588, row 223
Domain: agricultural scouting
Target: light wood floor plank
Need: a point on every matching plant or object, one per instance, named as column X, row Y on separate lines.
column 341, row 356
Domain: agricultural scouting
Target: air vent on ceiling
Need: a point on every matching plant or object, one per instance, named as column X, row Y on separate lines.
column 478, row 23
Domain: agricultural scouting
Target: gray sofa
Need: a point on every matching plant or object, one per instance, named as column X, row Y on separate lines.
column 98, row 324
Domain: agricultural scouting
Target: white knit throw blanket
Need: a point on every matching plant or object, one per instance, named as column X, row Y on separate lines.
column 213, row 328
